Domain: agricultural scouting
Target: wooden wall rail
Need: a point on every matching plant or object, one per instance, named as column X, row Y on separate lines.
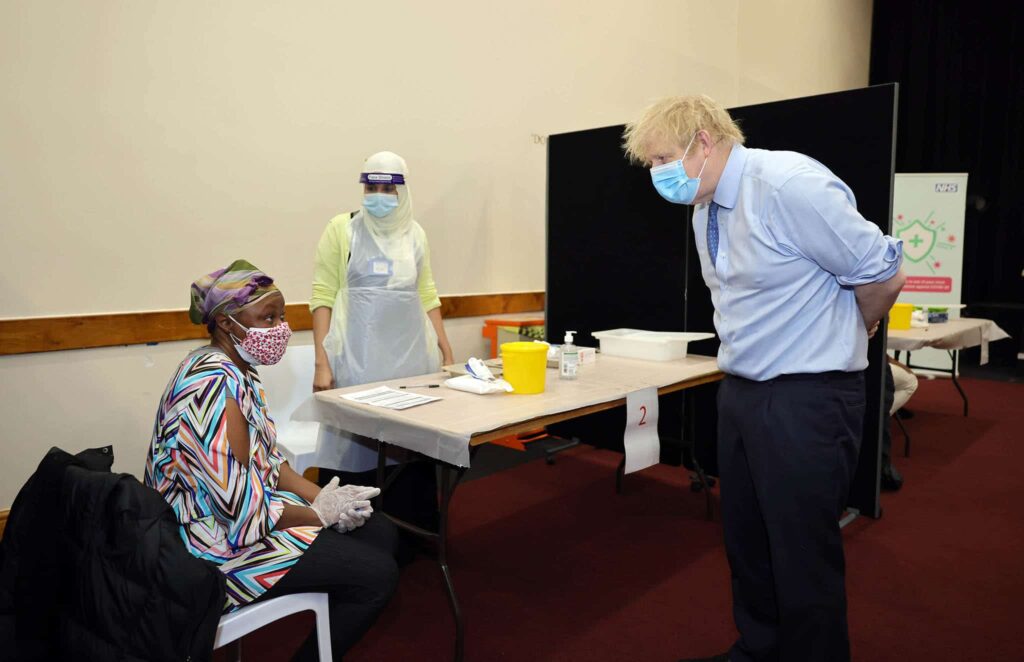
column 48, row 334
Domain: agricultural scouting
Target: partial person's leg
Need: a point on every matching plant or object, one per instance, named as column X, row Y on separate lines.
column 803, row 450
column 891, row 478
column 379, row 533
column 905, row 384
column 746, row 539
column 888, row 395
column 358, row 572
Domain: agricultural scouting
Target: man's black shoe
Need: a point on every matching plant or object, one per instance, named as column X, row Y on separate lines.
column 892, row 479
column 724, row 657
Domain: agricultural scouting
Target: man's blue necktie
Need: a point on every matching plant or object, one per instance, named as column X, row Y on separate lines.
column 713, row 231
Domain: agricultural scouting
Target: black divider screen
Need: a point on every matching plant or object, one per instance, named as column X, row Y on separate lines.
column 614, row 260
column 620, row 256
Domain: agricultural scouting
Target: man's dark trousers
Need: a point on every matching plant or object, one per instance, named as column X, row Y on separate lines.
column 787, row 452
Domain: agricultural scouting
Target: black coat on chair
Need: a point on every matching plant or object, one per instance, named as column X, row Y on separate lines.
column 93, row 567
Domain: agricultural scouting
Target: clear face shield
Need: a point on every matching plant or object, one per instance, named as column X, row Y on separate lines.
column 378, row 203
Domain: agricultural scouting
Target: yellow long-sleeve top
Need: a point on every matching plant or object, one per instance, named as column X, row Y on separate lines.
column 330, row 268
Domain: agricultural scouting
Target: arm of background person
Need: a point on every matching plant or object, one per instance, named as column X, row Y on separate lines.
column 432, row 303
column 330, row 263
column 323, row 375
column 442, row 337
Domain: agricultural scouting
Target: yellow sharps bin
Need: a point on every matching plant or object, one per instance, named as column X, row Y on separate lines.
column 899, row 316
column 524, row 366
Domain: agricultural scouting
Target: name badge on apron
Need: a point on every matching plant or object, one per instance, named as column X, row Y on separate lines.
column 382, row 266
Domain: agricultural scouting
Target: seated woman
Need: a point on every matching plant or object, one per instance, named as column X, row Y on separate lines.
column 214, row 458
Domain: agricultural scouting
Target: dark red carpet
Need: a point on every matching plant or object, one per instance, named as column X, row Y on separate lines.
column 551, row 564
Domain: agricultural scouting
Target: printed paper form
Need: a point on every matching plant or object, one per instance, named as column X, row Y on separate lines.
column 389, row 398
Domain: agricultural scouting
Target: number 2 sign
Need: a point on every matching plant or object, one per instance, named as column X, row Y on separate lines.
column 643, row 447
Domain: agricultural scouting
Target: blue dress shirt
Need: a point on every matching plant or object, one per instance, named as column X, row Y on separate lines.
column 791, row 248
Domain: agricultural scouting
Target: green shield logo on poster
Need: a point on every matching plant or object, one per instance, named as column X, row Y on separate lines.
column 918, row 241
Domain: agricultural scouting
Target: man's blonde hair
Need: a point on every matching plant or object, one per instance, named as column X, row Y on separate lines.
column 676, row 119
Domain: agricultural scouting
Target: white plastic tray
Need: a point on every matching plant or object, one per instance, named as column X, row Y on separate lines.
column 648, row 345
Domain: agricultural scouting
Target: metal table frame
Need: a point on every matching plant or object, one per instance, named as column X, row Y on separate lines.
column 451, row 475
column 954, row 354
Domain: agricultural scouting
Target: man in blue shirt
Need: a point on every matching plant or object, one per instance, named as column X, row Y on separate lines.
column 799, row 281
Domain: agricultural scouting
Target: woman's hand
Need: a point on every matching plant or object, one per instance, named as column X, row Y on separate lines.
column 323, row 378
column 352, row 519
column 347, row 505
column 327, row 506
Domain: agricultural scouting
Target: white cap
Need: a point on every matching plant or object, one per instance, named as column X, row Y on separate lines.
column 568, row 337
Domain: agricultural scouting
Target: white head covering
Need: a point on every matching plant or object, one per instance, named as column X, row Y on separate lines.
column 399, row 220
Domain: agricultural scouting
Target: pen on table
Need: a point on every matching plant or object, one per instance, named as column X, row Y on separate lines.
column 421, row 386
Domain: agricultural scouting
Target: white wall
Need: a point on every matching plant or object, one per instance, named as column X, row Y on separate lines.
column 145, row 143
column 94, row 397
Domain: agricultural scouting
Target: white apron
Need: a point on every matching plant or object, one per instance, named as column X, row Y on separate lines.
column 379, row 331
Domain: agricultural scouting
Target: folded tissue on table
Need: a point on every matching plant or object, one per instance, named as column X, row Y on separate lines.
column 480, row 380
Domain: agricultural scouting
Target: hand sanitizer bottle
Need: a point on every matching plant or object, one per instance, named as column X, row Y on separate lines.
column 569, row 358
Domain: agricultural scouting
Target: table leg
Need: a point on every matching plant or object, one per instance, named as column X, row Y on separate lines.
column 848, row 517
column 690, row 445
column 706, row 487
column 955, row 356
column 378, row 502
column 450, row 477
column 549, row 454
column 906, row 436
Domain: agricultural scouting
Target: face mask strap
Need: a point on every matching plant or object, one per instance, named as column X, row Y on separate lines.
column 237, row 340
column 242, row 326
column 703, row 165
column 687, row 150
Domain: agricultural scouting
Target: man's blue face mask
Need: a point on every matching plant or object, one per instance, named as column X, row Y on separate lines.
column 380, row 204
column 672, row 182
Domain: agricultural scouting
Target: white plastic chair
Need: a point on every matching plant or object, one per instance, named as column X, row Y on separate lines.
column 288, row 384
column 239, row 623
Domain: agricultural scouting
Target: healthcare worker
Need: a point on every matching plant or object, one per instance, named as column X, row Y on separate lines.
column 377, row 316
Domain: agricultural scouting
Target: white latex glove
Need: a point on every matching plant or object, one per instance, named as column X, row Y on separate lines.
column 328, row 504
column 332, row 502
column 356, row 506
column 354, row 518
column 359, row 492
column 345, row 524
